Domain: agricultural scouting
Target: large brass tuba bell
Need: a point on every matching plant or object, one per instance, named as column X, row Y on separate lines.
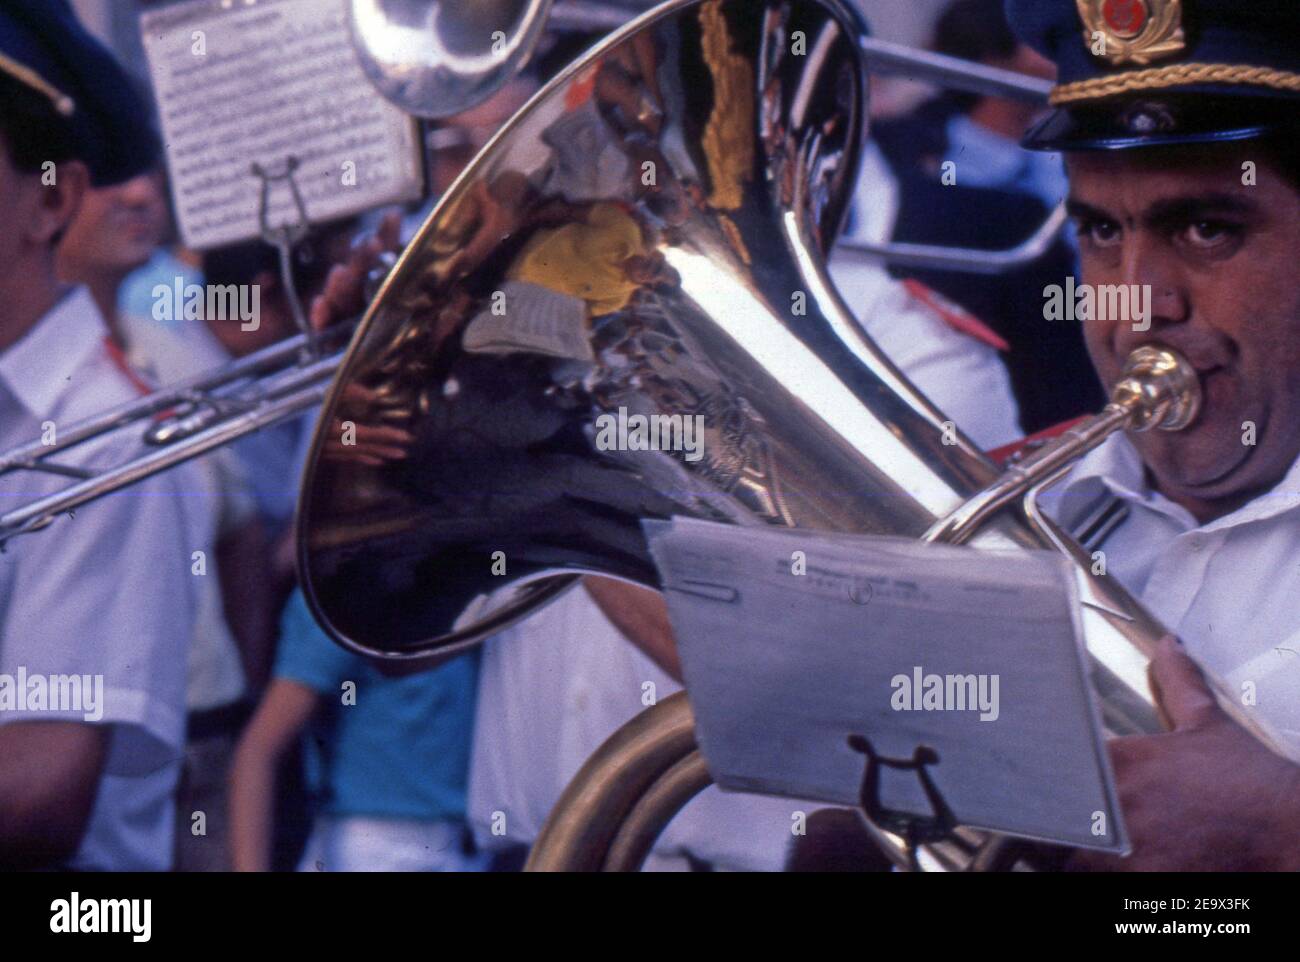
column 645, row 235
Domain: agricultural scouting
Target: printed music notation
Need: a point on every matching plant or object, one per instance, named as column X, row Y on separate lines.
column 239, row 83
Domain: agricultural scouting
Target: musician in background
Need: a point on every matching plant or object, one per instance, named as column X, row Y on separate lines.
column 270, row 456
column 387, row 765
column 87, row 778
column 964, row 179
column 116, row 230
column 979, row 135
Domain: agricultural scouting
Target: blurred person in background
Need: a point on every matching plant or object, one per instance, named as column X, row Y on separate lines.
column 118, row 230
column 366, row 810
column 86, row 783
column 270, row 458
column 385, row 770
column 387, row 759
column 387, row 755
column 114, row 232
column 979, row 131
column 963, row 179
column 167, row 262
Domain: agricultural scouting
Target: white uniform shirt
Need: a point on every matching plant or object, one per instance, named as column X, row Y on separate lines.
column 1229, row 589
column 218, row 501
column 107, row 592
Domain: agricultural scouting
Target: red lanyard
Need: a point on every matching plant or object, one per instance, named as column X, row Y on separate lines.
column 120, row 362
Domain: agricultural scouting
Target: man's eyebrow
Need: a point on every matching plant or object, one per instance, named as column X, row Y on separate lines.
column 1078, row 209
column 1172, row 209
column 1182, row 209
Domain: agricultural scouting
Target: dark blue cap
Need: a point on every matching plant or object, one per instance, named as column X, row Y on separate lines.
column 46, row 49
column 1149, row 73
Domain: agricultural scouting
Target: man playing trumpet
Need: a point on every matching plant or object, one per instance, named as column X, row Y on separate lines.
column 1178, row 121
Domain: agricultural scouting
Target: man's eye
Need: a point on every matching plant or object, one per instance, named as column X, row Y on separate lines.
column 1208, row 235
column 1100, row 233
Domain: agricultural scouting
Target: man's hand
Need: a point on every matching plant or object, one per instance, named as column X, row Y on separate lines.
column 1206, row 796
column 345, row 288
column 641, row 615
column 49, row 778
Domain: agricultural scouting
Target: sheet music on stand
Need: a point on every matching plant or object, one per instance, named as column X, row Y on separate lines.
column 242, row 83
column 806, row 653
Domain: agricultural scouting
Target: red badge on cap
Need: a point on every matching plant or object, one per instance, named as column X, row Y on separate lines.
column 1125, row 17
column 1133, row 31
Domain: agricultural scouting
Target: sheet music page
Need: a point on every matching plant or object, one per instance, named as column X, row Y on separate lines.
column 240, row 82
column 793, row 641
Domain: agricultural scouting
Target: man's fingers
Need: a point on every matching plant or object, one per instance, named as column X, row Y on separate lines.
column 355, row 393
column 374, row 455
column 333, row 303
column 372, row 444
column 372, row 433
column 344, row 292
column 383, row 454
column 1179, row 687
column 345, row 285
column 319, row 314
column 378, row 433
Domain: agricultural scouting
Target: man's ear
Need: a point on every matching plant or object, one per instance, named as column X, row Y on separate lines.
column 61, row 190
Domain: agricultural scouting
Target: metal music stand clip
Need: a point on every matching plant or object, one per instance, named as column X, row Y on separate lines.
column 284, row 238
column 916, row 830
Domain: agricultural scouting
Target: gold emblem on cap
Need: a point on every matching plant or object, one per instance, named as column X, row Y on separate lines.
column 1133, row 31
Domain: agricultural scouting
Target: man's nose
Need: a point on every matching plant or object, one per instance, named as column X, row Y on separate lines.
column 1151, row 268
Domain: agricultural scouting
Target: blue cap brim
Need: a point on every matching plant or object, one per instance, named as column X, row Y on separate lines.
column 1162, row 120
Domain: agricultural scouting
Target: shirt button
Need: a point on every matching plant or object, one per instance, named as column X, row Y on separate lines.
column 1196, row 542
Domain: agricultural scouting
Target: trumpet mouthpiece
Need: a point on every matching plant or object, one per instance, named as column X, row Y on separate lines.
column 1160, row 389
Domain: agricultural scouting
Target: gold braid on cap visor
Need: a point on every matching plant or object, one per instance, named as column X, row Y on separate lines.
column 64, row 104
column 1179, row 75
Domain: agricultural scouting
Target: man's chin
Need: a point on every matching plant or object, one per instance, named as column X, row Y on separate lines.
column 1195, row 467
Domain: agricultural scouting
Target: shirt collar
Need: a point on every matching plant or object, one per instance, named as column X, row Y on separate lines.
column 1116, row 468
column 39, row 367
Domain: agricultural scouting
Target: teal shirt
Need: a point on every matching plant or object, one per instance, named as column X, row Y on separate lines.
column 402, row 750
